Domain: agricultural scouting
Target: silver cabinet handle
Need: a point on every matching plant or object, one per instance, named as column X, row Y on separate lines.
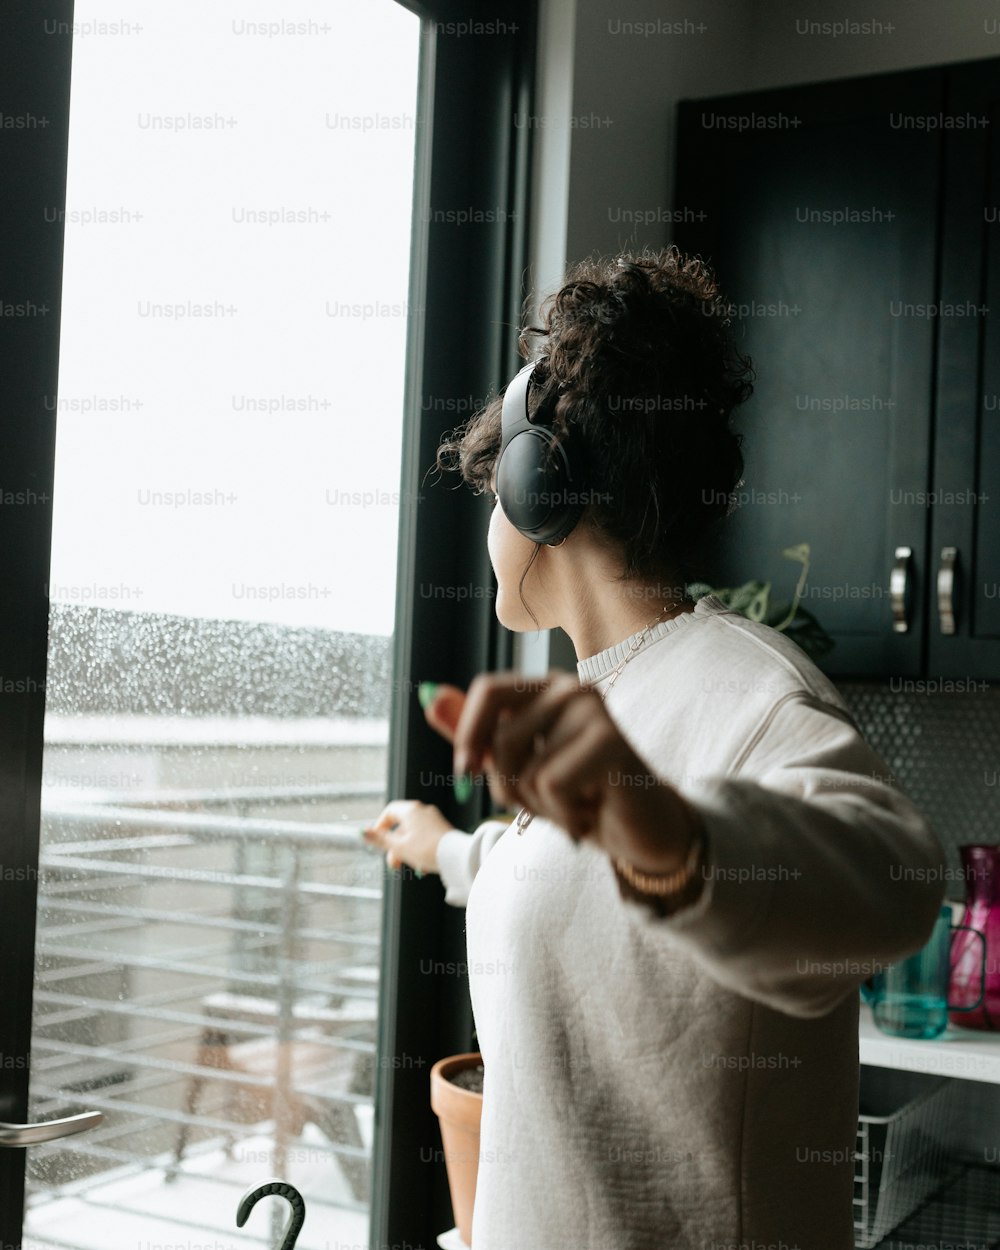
column 897, row 589
column 946, row 589
column 51, row 1130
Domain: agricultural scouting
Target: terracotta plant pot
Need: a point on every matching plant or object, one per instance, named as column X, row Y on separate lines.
column 459, row 1112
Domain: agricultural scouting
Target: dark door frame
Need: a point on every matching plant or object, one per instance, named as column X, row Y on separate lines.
column 34, row 101
column 467, row 285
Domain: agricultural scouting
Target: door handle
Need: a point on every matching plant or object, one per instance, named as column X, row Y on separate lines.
column 50, row 1130
column 898, row 579
column 946, row 589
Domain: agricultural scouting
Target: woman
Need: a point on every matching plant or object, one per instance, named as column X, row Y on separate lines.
column 665, row 965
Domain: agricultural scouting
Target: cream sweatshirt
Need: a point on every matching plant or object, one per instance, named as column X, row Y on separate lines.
column 690, row 1081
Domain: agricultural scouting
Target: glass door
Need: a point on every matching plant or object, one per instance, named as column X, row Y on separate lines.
column 223, row 578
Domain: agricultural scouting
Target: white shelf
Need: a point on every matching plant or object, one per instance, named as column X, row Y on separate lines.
column 969, row 1054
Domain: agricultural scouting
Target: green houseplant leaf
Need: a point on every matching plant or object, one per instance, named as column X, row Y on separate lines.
column 753, row 600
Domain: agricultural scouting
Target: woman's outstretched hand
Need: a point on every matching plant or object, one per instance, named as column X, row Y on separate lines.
column 407, row 830
column 550, row 745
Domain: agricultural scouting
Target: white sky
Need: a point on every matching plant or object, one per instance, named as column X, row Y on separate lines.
column 310, row 560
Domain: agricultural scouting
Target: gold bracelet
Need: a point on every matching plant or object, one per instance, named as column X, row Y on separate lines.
column 662, row 884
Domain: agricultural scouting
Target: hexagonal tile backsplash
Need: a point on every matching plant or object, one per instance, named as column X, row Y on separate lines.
column 944, row 751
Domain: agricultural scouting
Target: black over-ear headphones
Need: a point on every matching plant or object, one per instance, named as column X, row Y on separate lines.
column 540, row 489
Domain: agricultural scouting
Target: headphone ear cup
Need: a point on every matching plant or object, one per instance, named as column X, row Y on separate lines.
column 539, row 496
column 539, row 475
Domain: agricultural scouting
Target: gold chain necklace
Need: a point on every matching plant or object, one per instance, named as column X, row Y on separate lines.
column 524, row 817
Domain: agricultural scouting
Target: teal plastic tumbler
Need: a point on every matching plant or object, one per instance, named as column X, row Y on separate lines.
column 910, row 998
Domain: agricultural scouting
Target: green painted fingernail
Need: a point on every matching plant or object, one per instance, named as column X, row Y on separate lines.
column 418, row 872
column 426, row 693
column 462, row 785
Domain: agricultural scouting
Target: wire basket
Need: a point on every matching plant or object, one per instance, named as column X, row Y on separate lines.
column 901, row 1157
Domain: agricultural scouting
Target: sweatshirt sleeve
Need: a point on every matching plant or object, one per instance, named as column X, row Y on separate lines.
column 817, row 870
column 460, row 856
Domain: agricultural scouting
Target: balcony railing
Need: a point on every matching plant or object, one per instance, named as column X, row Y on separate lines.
column 208, row 980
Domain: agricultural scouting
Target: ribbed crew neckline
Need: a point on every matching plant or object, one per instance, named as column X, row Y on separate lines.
column 594, row 667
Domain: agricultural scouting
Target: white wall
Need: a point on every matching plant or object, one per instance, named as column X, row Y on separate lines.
column 925, row 32
column 588, row 177
column 629, row 81
column 550, row 174
column 635, row 81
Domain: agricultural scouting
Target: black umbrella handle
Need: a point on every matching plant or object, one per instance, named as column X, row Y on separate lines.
column 279, row 1189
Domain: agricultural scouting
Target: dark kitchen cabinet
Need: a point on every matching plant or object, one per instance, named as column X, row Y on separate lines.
column 965, row 516
column 849, row 226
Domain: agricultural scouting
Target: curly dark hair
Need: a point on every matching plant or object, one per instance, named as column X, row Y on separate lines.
column 639, row 365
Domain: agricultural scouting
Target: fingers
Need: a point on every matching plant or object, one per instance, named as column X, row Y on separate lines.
column 443, row 711
column 384, row 833
column 391, row 815
column 381, row 841
column 524, row 742
column 569, row 782
column 381, row 838
column 489, row 694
